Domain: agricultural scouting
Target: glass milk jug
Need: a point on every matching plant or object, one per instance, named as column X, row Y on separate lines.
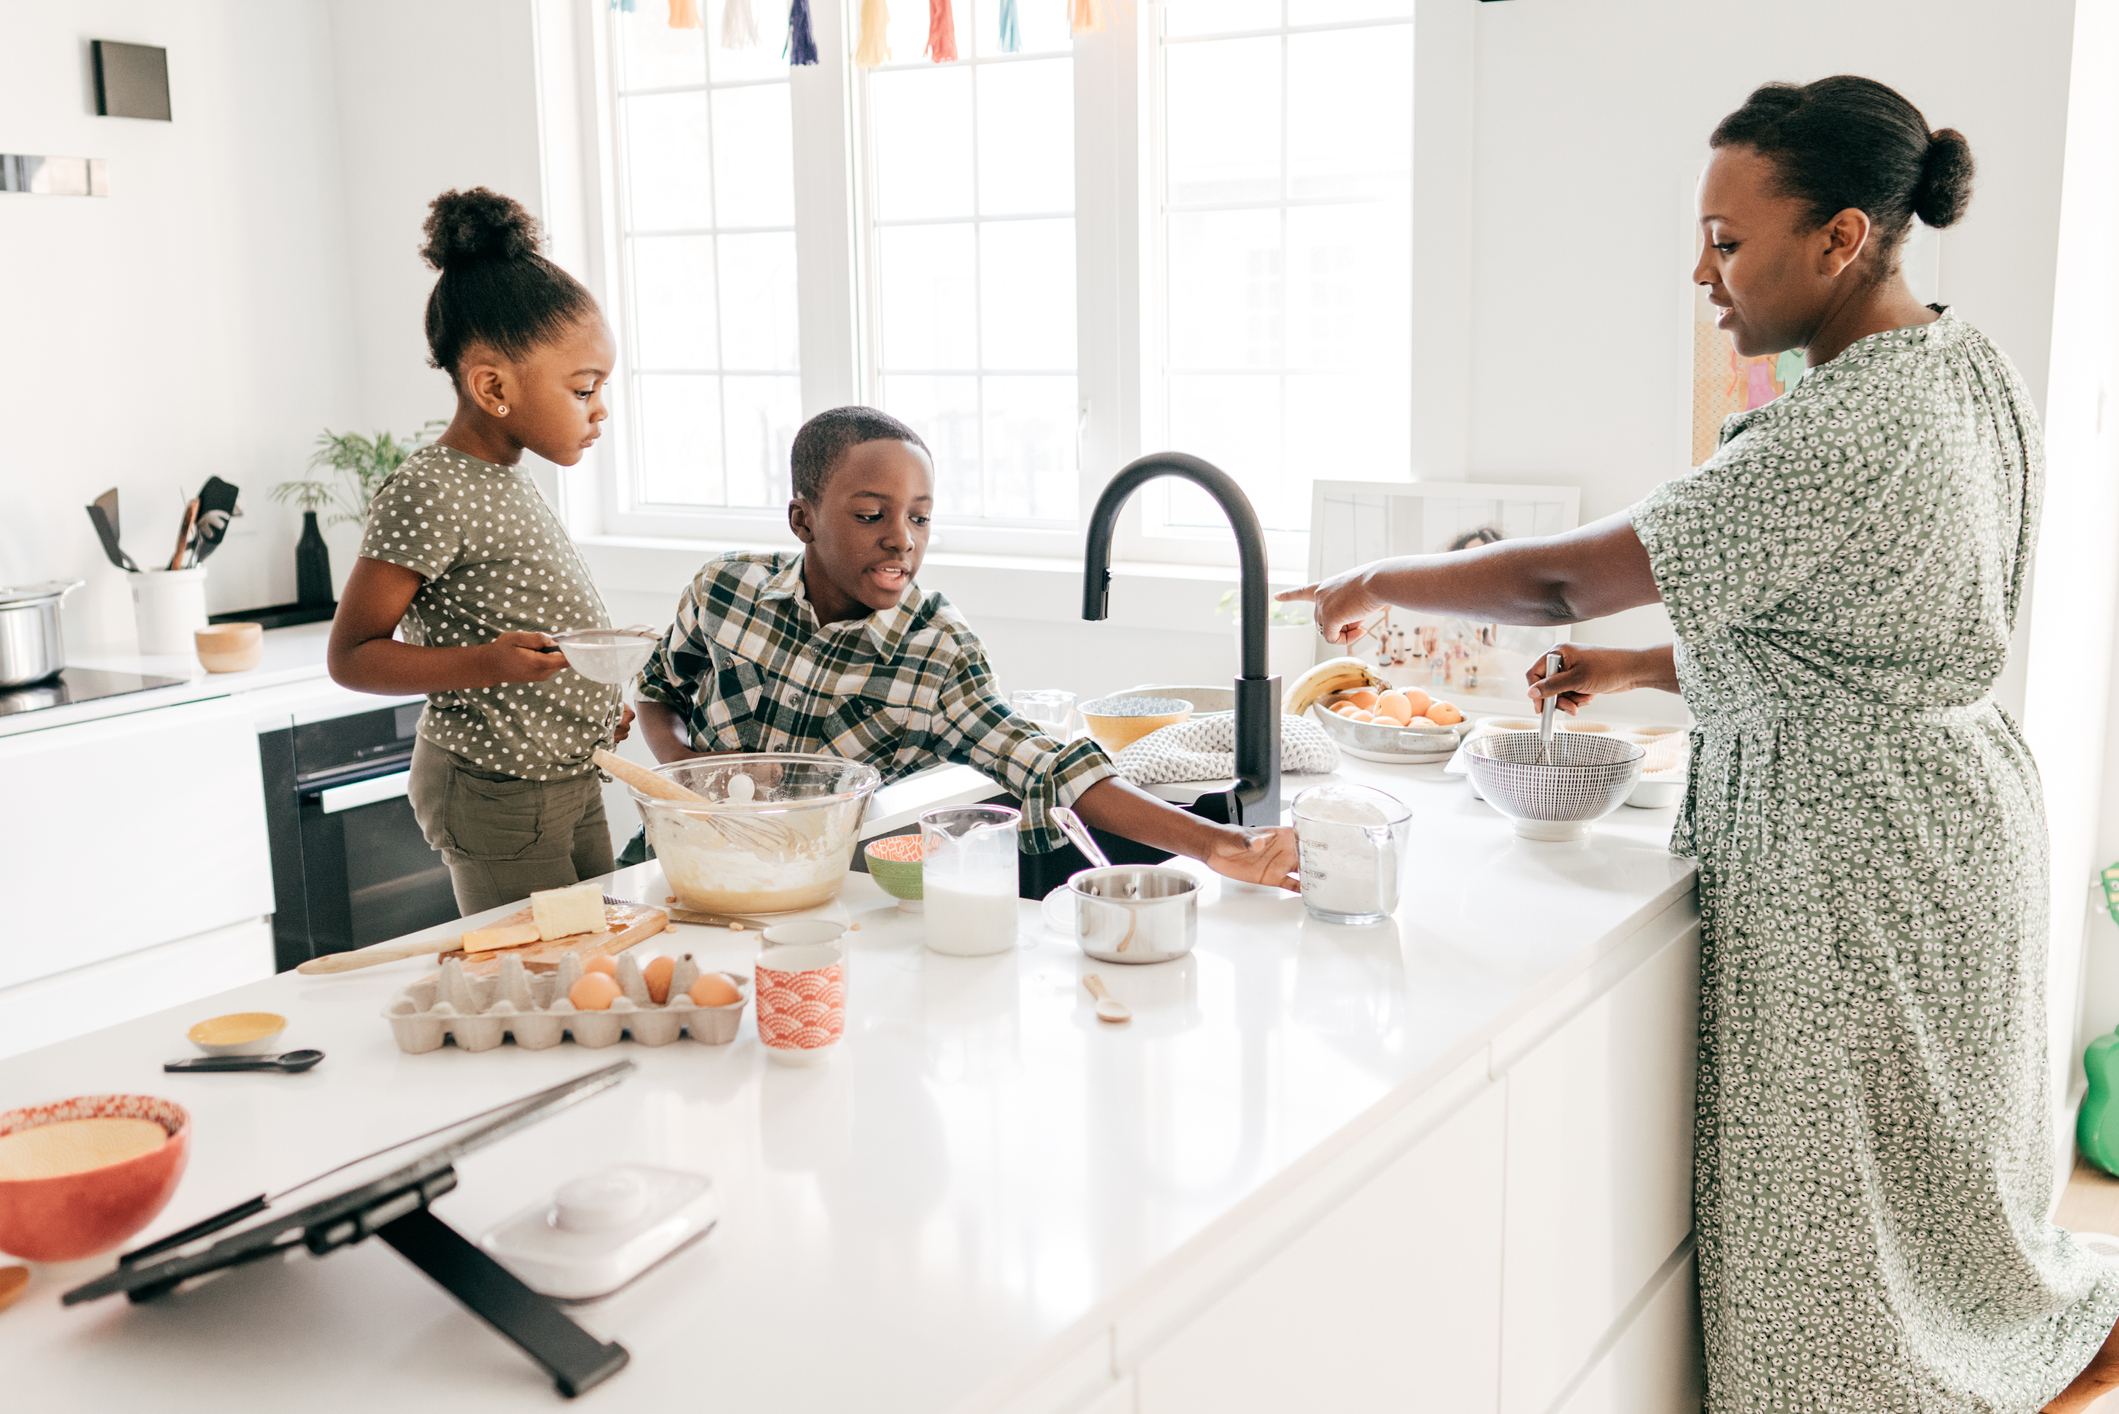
column 1353, row 842
column 968, row 878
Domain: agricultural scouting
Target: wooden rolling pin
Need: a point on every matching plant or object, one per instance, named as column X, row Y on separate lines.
column 378, row 954
column 647, row 782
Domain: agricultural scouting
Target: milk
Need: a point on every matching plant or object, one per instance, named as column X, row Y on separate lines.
column 969, row 917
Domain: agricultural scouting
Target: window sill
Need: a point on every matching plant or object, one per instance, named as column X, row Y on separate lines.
column 1144, row 594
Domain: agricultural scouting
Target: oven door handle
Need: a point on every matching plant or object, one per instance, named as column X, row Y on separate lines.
column 376, row 788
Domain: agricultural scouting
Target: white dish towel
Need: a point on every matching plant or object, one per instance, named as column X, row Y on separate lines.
column 1204, row 749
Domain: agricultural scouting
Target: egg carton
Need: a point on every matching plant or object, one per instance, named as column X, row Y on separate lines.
column 532, row 1008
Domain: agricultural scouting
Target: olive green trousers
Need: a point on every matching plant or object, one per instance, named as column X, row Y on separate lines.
column 503, row 837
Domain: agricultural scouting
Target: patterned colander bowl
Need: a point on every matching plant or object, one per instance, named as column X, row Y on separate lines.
column 1585, row 778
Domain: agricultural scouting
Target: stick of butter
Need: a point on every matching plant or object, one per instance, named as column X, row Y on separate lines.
column 512, row 936
column 561, row 913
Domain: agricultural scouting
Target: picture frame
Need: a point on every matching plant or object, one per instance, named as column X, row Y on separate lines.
column 1460, row 660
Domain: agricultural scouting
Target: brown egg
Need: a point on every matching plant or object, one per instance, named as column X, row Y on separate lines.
column 1345, row 709
column 608, row 966
column 1363, row 697
column 1442, row 714
column 712, row 989
column 594, row 992
column 1417, row 701
column 657, row 976
column 1395, row 707
column 1357, row 715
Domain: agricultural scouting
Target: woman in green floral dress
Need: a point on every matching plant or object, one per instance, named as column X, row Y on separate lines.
column 1873, row 1143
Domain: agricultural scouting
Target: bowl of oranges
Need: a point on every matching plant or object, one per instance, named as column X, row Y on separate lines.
column 1391, row 724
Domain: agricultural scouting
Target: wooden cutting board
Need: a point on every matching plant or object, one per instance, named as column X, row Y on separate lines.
column 630, row 923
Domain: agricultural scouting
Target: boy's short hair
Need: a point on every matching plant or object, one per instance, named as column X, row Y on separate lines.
column 831, row 434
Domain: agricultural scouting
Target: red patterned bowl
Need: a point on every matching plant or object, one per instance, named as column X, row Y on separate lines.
column 81, row 1214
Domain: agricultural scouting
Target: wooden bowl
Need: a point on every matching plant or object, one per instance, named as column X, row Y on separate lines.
column 1118, row 722
column 78, row 1215
column 230, row 648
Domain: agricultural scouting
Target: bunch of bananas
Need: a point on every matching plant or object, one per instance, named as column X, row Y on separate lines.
column 1333, row 675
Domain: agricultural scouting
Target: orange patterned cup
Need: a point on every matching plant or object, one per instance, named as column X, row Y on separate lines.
column 801, row 995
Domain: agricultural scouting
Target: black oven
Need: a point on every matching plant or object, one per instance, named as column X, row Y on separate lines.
column 349, row 865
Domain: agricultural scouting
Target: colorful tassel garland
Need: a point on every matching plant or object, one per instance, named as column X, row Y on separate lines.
column 1085, row 16
column 1011, row 33
column 684, row 14
column 739, row 28
column 801, row 44
column 622, row 6
column 874, row 47
column 941, row 32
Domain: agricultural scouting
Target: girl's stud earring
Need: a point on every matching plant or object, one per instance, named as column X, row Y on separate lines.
column 502, row 409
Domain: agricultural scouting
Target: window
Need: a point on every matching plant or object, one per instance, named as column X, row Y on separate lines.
column 708, row 269
column 1047, row 258
column 1284, row 204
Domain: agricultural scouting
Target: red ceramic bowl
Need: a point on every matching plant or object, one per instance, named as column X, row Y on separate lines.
column 78, row 1215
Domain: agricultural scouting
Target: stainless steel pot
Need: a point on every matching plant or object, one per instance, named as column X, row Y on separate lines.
column 31, row 646
column 1135, row 912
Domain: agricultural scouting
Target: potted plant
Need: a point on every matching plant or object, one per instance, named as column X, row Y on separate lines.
column 357, row 466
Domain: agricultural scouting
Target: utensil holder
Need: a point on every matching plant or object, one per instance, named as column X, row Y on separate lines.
column 168, row 607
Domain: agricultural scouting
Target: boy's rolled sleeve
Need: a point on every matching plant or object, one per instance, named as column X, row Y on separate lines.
column 978, row 729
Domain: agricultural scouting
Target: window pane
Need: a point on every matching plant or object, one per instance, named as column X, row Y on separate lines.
column 1026, row 294
column 945, row 412
column 652, row 55
column 1026, row 137
column 1220, row 16
column 1041, row 28
column 1350, row 112
column 1031, row 467
column 1222, row 120
column 1330, row 12
column 760, row 418
column 929, row 297
column 922, row 142
column 680, row 438
column 759, row 327
column 1234, row 422
column 1348, row 427
column 765, row 60
column 1348, row 291
column 754, row 156
column 905, row 34
column 673, row 301
column 665, row 139
column 1224, row 281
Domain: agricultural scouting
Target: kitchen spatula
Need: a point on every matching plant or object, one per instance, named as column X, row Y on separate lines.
column 216, row 509
column 103, row 514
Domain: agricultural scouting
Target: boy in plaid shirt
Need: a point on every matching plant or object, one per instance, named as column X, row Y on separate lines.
column 836, row 650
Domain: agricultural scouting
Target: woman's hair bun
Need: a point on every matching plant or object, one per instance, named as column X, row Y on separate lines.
column 477, row 225
column 1945, row 187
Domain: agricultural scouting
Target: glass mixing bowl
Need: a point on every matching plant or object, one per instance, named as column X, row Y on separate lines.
column 774, row 832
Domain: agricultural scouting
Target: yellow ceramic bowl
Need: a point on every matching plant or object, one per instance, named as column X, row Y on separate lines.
column 1118, row 722
column 242, row 1033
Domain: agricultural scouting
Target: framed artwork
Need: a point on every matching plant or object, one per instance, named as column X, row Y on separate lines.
column 1463, row 660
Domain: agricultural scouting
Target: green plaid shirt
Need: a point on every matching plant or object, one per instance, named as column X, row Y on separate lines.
column 749, row 668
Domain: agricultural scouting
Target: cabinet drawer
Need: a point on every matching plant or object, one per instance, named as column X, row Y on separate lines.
column 1390, row 1301
column 1655, row 1366
column 1599, row 1186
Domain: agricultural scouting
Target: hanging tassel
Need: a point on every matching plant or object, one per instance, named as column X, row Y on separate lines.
column 1011, row 34
column 801, row 44
column 1085, row 16
column 739, row 28
column 684, row 14
column 623, row 6
column 941, row 32
column 874, row 48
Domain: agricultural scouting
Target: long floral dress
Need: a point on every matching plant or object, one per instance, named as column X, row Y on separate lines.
column 1874, row 1161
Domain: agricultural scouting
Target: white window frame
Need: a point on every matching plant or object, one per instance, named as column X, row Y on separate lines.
column 1118, row 186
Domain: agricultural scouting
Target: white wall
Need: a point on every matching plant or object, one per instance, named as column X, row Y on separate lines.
column 193, row 323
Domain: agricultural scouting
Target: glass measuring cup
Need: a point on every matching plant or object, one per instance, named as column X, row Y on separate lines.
column 1353, row 841
column 968, row 878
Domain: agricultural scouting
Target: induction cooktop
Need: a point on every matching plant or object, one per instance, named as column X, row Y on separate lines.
column 77, row 685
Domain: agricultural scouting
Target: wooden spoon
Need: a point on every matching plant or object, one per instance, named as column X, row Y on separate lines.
column 13, row 1282
column 647, row 782
column 378, row 954
column 1108, row 1008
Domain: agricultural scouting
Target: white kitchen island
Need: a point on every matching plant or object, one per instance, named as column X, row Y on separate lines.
column 1438, row 1164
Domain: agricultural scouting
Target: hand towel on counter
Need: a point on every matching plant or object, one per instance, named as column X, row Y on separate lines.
column 1204, row 749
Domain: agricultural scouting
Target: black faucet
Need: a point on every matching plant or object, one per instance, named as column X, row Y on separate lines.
column 1255, row 802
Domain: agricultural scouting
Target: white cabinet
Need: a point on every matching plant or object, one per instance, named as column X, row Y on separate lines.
column 1599, row 1188
column 1654, row 1366
column 1390, row 1301
column 122, row 834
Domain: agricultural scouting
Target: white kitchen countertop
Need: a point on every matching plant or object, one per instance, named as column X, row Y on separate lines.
column 983, row 1176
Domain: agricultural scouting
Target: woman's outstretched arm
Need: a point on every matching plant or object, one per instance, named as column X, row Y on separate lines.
column 1554, row 579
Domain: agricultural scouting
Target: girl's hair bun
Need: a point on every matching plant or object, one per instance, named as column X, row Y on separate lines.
column 1945, row 187
column 477, row 225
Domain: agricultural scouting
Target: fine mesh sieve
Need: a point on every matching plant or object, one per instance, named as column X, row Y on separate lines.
column 1590, row 776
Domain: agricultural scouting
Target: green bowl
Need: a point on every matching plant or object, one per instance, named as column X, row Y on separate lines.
column 900, row 878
